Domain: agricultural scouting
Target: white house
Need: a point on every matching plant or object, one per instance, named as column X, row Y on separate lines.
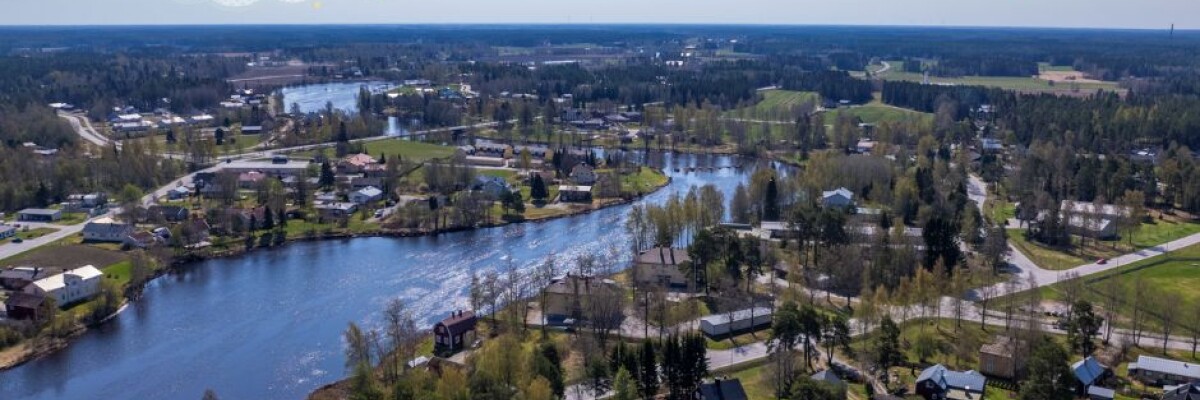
column 840, row 197
column 367, row 195
column 106, row 230
column 179, row 193
column 70, row 286
column 583, row 174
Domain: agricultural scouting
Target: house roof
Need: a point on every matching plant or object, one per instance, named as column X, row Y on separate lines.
column 23, row 300
column 838, row 192
column 370, row 191
column 24, row 273
column 104, row 226
column 740, row 315
column 1101, row 392
column 585, row 284
column 359, row 160
column 947, row 379
column 569, row 188
column 663, row 256
column 1088, row 370
column 827, row 376
column 1166, row 366
column 459, row 322
column 58, row 281
column 1003, row 346
column 1184, row 392
column 1083, row 207
column 6, row 228
column 39, row 211
column 727, row 389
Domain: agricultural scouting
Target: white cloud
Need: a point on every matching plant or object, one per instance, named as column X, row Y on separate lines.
column 244, row 3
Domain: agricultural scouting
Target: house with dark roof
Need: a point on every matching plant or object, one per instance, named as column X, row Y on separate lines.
column 453, row 333
column 939, row 383
column 16, row 278
column 827, row 376
column 721, row 389
column 583, row 174
column 21, row 305
column 660, row 266
column 168, row 213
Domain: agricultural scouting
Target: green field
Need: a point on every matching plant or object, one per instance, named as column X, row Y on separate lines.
column 1149, row 235
column 644, row 181
column 776, row 105
column 876, row 112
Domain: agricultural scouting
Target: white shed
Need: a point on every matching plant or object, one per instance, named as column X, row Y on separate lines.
column 742, row 320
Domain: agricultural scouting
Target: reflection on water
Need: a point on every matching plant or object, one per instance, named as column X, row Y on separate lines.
column 342, row 95
column 268, row 325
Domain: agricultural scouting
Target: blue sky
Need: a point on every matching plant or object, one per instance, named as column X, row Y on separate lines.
column 1157, row 14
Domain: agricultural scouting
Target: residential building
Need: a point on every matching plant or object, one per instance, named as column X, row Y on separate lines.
column 1160, row 371
column 106, row 230
column 367, row 195
column 39, row 215
column 999, row 358
column 564, row 298
column 583, row 174
column 251, row 179
column 492, row 186
column 575, row 194
column 16, row 278
column 356, row 163
column 660, row 266
column 7, row 231
column 840, row 198
column 179, row 193
column 167, row 213
column 730, row 323
column 88, row 200
column 142, row 239
column 990, row 145
column 21, row 306
column 68, row 287
column 939, row 383
column 455, row 332
column 1190, row 391
column 336, row 210
column 828, row 377
column 864, row 146
column 1090, row 373
column 1103, row 393
column 721, row 389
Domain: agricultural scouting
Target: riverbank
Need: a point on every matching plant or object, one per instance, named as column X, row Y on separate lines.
column 42, row 345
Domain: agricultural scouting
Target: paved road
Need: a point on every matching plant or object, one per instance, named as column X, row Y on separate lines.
column 84, row 128
column 11, row 249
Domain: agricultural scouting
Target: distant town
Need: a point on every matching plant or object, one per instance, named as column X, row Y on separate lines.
column 612, row 212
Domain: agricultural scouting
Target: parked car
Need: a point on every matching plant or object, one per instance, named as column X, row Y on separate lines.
column 1102, row 261
column 18, row 240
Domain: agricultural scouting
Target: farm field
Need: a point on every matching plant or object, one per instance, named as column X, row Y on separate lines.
column 876, row 112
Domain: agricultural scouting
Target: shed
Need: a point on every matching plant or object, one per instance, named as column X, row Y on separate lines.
column 722, row 324
column 452, row 334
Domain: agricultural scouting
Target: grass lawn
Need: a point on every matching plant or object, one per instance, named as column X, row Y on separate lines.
column 776, row 105
column 644, row 181
column 735, row 341
column 1150, row 234
column 1044, row 66
column 66, row 254
column 999, row 210
column 407, row 149
column 72, row 219
column 875, row 112
column 756, row 381
column 33, row 233
column 1043, row 256
column 118, row 272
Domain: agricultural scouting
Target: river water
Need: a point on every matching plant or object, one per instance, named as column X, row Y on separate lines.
column 342, row 95
column 268, row 325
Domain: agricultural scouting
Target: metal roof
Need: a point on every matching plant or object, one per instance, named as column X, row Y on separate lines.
column 1166, row 366
column 725, row 318
column 946, row 379
column 1088, row 370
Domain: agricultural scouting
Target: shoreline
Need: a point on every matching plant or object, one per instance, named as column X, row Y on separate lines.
column 30, row 349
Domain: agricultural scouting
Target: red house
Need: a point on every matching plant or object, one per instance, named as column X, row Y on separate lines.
column 451, row 334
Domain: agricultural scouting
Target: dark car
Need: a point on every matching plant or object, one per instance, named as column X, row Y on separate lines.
column 1102, row 261
column 18, row 240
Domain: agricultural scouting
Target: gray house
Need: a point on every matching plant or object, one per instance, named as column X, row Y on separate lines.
column 840, row 197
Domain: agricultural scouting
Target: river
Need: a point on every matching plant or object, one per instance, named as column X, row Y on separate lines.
column 268, row 325
column 342, row 95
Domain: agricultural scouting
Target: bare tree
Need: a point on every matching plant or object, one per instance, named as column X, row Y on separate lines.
column 1168, row 310
column 402, row 333
column 604, row 310
column 1111, row 301
column 986, row 294
column 1139, row 300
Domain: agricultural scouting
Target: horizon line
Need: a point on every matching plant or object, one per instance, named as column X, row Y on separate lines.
column 598, row 24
